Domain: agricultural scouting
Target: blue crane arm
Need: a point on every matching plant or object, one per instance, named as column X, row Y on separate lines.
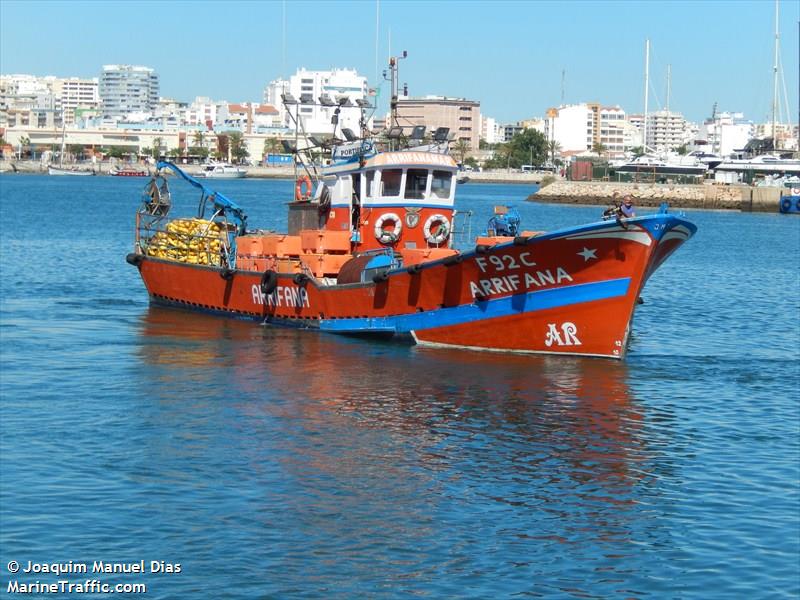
column 221, row 202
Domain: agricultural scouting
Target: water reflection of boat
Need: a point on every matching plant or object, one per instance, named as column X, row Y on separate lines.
column 541, row 395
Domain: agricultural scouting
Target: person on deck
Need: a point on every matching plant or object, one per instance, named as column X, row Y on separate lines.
column 626, row 209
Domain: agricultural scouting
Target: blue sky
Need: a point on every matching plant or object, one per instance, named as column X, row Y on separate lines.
column 507, row 55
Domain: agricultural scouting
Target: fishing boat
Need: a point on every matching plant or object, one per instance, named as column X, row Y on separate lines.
column 129, row 171
column 371, row 250
column 222, row 171
column 61, row 169
column 51, row 170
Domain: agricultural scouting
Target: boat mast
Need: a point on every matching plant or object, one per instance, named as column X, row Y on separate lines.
column 775, row 82
column 63, row 139
column 669, row 81
column 646, row 84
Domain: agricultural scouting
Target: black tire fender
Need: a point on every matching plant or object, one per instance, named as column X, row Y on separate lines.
column 269, row 281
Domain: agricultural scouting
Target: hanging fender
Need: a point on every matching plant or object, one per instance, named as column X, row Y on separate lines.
column 385, row 236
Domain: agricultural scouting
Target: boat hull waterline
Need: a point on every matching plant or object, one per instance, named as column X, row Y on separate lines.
column 572, row 291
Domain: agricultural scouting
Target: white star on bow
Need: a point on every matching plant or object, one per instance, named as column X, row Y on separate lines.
column 587, row 254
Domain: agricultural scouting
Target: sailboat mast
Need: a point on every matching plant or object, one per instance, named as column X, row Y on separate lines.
column 669, row 81
column 63, row 139
column 775, row 83
column 646, row 85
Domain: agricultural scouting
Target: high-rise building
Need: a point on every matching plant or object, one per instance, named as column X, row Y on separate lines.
column 666, row 130
column 314, row 118
column 126, row 89
column 463, row 117
column 76, row 93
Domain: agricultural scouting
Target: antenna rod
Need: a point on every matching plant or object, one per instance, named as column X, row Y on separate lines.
column 775, row 82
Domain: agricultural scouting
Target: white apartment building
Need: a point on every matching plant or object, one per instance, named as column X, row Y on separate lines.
column 313, row 84
column 76, row 93
column 204, row 111
column 127, row 88
column 667, row 130
column 490, row 131
column 724, row 134
column 31, row 98
column 578, row 127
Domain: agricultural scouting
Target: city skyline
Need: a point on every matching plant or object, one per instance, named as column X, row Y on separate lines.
column 480, row 51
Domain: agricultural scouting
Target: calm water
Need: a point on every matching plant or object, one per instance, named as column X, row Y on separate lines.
column 279, row 463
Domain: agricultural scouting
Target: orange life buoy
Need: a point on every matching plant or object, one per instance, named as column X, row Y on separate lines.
column 299, row 194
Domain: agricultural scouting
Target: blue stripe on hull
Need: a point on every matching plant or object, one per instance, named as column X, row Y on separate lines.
column 490, row 309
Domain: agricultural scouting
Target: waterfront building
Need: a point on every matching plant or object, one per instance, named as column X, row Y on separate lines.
column 205, row 111
column 535, row 123
column 316, row 119
column 248, row 117
column 127, row 88
column 461, row 116
column 76, row 93
column 667, row 130
column 577, row 128
column 724, row 133
column 508, row 131
column 490, row 131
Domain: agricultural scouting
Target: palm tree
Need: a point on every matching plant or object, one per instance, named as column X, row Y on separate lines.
column 199, row 139
column 553, row 147
column 599, row 148
column 272, row 145
column 157, row 142
column 238, row 148
column 462, row 148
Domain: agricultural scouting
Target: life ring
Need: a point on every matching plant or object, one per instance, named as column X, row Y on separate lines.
column 299, row 194
column 441, row 232
column 269, row 281
column 384, row 236
column 786, row 205
column 796, row 191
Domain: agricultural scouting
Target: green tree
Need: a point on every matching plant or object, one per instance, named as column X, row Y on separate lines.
column 272, row 145
column 117, row 151
column 637, row 151
column 553, row 148
column 156, row 151
column 199, row 139
column 174, row 153
column 471, row 162
column 76, row 150
column 462, row 148
column 599, row 148
column 222, row 146
column 238, row 146
column 529, row 147
column 682, row 150
column 200, row 151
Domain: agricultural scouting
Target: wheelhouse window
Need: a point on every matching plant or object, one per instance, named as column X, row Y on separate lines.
column 390, row 182
column 369, row 179
column 440, row 184
column 416, row 182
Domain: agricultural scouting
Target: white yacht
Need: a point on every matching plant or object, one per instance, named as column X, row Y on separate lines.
column 222, row 171
column 765, row 163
